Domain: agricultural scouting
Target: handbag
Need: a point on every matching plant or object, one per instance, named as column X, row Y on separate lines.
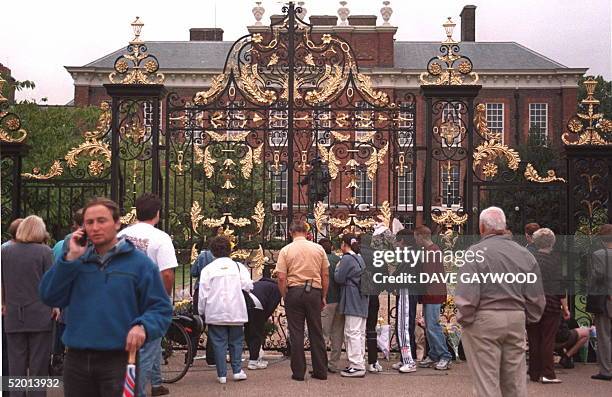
column 250, row 305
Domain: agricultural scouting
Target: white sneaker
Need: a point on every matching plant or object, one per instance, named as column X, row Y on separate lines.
column 428, row 362
column 407, row 368
column 397, row 365
column 376, row 367
column 222, row 380
column 443, row 364
column 240, row 375
column 259, row 364
column 545, row 380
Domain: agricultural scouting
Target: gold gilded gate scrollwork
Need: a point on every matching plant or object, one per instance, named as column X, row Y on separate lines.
column 491, row 150
column 93, row 147
column 253, row 77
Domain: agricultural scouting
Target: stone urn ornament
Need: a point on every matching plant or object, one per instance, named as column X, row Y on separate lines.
column 258, row 12
column 343, row 13
column 303, row 11
column 386, row 12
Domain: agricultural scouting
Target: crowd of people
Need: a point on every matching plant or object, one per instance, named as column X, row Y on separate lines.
column 110, row 289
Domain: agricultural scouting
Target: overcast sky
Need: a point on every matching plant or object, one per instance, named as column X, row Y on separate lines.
column 39, row 38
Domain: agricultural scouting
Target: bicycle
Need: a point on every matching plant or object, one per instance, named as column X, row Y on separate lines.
column 178, row 348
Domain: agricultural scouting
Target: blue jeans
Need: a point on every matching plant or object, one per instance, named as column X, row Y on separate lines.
column 222, row 336
column 149, row 366
column 435, row 337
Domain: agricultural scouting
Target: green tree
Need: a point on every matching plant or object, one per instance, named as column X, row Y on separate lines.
column 53, row 131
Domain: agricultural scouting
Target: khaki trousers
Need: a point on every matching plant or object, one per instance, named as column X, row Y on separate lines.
column 333, row 330
column 494, row 346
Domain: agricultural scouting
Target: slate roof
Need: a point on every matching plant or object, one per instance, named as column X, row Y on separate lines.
column 408, row 55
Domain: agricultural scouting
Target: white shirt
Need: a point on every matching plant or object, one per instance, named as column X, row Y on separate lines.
column 156, row 243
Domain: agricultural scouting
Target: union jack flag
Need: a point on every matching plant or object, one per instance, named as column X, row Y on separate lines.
column 129, row 386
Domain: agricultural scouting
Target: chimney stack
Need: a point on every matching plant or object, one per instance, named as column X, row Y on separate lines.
column 205, row 34
column 468, row 23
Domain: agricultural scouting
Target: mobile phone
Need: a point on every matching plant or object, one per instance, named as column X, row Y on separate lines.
column 308, row 286
column 83, row 240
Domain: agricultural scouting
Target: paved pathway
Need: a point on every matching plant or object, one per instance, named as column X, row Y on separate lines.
column 275, row 381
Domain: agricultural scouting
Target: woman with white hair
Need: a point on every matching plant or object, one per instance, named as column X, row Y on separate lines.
column 27, row 320
column 542, row 334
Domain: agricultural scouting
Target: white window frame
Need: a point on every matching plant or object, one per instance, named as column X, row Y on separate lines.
column 278, row 127
column 405, row 190
column 495, row 118
column 538, row 116
column 147, row 114
column 234, row 123
column 455, row 185
column 279, row 185
column 367, row 113
column 323, row 123
column 405, row 128
column 365, row 189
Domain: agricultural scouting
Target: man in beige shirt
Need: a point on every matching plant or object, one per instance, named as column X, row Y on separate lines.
column 303, row 278
column 493, row 314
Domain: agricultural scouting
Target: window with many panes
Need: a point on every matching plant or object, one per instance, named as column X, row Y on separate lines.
column 278, row 124
column 449, row 183
column 364, row 119
column 495, row 118
column 538, row 122
column 147, row 114
column 452, row 113
column 278, row 181
column 323, row 124
column 363, row 192
column 405, row 189
column 236, row 119
column 405, row 128
column 193, row 120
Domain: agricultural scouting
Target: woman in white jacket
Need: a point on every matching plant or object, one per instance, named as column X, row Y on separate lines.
column 222, row 304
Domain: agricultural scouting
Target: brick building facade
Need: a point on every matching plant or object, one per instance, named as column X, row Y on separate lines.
column 522, row 90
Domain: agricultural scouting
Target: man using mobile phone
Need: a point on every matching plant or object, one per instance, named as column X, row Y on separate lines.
column 116, row 298
column 159, row 248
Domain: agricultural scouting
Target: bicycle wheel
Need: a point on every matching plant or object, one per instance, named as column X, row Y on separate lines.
column 177, row 353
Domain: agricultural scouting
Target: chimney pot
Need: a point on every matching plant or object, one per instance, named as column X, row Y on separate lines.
column 205, row 34
column 468, row 23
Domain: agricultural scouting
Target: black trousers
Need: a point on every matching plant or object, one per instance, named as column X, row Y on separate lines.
column 303, row 306
column 254, row 332
column 94, row 373
column 371, row 321
column 541, row 337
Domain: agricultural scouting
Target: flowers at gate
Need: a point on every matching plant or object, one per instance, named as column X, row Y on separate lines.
column 183, row 307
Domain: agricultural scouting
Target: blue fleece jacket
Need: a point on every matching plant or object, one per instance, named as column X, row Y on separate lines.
column 107, row 296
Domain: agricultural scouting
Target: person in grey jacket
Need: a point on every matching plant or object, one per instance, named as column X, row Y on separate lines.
column 493, row 314
column 27, row 319
column 353, row 305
